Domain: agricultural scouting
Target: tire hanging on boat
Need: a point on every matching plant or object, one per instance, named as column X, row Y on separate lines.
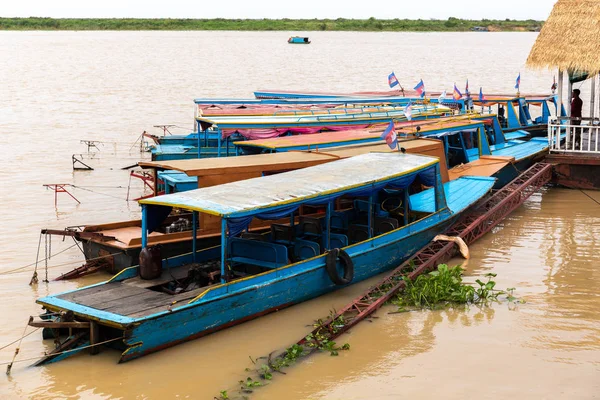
column 331, row 266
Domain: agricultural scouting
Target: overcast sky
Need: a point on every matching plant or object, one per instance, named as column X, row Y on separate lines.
column 384, row 9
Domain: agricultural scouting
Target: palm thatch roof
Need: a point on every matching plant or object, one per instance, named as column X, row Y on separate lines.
column 570, row 38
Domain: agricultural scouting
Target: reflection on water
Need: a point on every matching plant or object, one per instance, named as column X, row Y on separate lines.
column 62, row 87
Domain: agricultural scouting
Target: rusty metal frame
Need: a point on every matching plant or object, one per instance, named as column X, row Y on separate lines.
column 480, row 220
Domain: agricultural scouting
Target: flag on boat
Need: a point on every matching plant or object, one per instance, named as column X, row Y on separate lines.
column 481, row 96
column 442, row 97
column 518, row 82
column 457, row 95
column 554, row 85
column 392, row 80
column 467, row 93
column 389, row 135
column 420, row 88
column 408, row 111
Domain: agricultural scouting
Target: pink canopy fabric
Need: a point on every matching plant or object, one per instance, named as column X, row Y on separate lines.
column 271, row 133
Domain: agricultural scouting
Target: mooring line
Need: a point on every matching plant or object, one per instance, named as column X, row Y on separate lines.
column 593, row 199
column 22, row 269
column 16, row 340
column 56, row 354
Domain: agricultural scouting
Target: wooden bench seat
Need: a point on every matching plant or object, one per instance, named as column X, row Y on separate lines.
column 253, row 252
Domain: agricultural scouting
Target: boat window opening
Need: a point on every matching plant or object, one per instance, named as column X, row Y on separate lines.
column 457, row 153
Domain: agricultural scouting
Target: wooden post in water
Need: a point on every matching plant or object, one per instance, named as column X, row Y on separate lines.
column 94, row 334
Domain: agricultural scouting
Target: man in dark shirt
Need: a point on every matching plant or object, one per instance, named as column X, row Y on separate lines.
column 576, row 105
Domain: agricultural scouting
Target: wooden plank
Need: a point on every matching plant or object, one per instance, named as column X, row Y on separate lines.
column 109, row 292
column 167, row 276
column 59, row 324
column 182, row 299
column 71, row 342
column 85, row 292
column 246, row 164
column 158, row 300
column 137, row 298
column 127, row 295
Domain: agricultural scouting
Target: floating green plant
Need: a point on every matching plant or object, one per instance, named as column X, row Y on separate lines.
column 445, row 286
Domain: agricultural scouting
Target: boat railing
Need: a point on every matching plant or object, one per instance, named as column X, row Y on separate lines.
column 574, row 135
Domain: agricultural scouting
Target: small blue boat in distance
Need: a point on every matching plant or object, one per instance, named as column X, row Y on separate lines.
column 299, row 40
column 369, row 214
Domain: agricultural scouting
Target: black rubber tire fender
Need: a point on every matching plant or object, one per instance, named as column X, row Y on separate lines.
column 331, row 266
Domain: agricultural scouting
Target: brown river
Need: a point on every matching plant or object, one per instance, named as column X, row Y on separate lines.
column 59, row 88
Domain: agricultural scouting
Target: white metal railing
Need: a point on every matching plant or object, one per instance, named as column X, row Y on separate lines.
column 571, row 138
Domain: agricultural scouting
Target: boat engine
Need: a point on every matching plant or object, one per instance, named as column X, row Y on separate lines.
column 180, row 225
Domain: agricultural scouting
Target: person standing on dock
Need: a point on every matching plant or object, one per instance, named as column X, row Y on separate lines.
column 576, row 105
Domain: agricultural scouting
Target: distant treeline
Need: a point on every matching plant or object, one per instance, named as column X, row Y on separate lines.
column 220, row 24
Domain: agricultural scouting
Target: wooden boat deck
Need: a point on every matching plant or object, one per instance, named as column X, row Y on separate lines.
column 126, row 234
column 132, row 297
column 484, row 166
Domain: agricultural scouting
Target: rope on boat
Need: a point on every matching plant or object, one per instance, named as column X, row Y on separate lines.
column 93, row 191
column 34, row 278
column 48, row 254
column 10, row 363
column 16, row 340
column 20, row 269
column 591, row 198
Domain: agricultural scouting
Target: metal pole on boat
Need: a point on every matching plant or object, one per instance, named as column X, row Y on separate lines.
column 328, row 231
column 144, row 226
column 369, row 216
column 570, row 90
column 440, row 197
column 194, row 233
column 199, row 140
column 223, row 248
column 406, row 200
column 593, row 96
column 218, row 142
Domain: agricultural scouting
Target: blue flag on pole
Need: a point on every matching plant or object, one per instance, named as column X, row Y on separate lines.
column 481, row 96
column 392, row 80
column 390, row 137
column 518, row 82
column 420, row 88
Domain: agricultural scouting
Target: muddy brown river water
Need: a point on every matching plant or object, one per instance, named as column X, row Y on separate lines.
column 59, row 88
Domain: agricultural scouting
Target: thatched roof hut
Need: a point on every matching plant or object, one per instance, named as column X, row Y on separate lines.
column 570, row 38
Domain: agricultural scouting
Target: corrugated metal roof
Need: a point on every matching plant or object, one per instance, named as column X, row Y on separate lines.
column 236, row 198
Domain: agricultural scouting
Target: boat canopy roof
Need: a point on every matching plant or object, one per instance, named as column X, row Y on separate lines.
column 329, row 138
column 318, row 185
column 233, row 122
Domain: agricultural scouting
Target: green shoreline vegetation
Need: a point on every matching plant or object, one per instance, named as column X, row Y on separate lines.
column 219, row 24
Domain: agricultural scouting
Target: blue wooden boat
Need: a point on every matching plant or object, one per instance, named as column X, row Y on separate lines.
column 514, row 113
column 315, row 100
column 299, row 40
column 225, row 130
column 470, row 149
column 513, row 110
column 144, row 309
